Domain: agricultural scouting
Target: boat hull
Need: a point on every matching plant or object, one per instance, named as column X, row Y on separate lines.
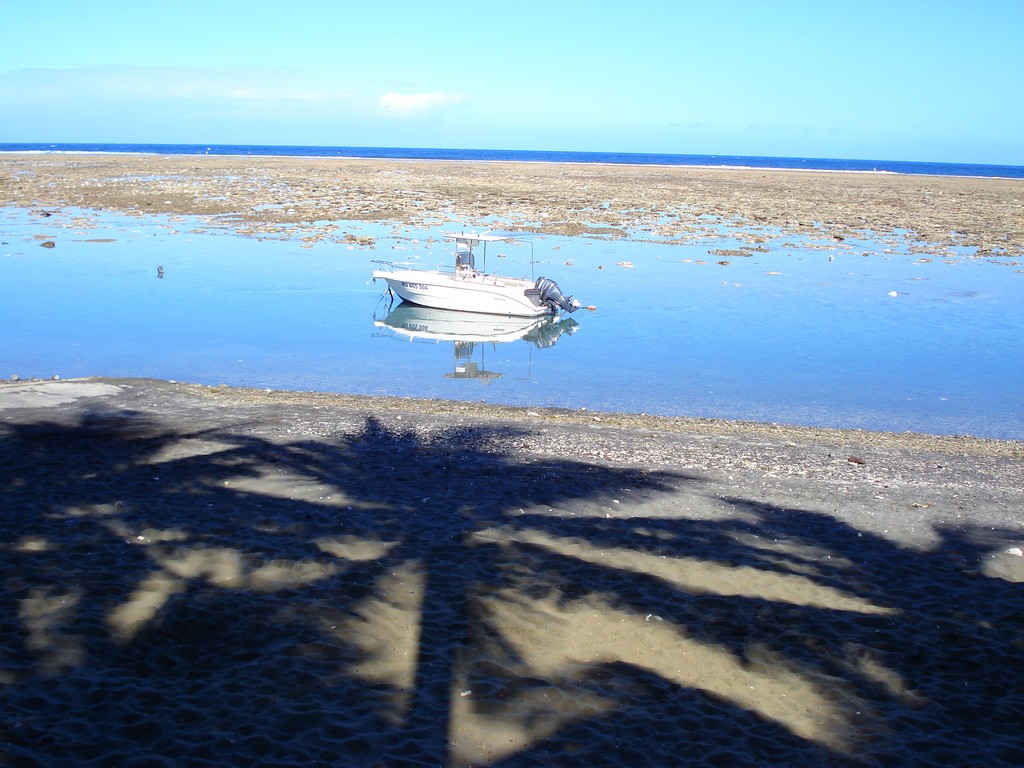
column 487, row 294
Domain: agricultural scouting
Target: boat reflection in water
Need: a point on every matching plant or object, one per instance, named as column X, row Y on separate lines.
column 472, row 333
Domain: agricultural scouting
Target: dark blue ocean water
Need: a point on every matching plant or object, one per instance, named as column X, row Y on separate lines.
column 535, row 156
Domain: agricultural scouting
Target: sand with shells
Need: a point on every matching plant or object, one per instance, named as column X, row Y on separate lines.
column 206, row 576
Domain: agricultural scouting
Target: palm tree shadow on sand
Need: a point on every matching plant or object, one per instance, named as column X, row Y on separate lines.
column 390, row 596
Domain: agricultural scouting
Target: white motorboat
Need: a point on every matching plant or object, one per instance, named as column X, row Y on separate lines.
column 466, row 288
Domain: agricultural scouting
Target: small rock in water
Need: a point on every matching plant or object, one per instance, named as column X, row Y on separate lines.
column 48, row 244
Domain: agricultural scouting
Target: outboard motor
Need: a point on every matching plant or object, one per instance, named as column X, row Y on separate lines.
column 553, row 297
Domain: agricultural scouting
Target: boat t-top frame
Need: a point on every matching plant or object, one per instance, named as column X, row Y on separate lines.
column 466, row 244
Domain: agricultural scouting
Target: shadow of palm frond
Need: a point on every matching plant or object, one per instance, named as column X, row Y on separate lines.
column 436, row 596
column 864, row 651
column 216, row 592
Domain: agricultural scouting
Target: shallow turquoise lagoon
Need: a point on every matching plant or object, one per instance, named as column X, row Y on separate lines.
column 880, row 334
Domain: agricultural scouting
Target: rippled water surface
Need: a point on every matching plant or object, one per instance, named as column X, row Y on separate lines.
column 879, row 334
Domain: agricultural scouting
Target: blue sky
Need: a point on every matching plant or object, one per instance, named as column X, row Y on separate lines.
column 888, row 80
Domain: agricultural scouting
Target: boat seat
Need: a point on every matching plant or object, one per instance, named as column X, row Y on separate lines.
column 464, row 260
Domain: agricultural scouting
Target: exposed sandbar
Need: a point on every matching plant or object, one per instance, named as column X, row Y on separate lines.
column 986, row 214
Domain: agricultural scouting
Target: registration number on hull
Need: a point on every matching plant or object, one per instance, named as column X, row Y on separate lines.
column 414, row 286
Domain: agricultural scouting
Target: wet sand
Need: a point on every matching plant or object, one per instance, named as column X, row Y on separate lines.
column 210, row 576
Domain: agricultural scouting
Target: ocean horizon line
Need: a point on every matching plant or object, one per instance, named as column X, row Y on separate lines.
column 758, row 162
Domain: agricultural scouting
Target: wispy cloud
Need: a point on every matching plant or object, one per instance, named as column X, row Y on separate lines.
column 232, row 88
column 178, row 104
column 228, row 91
column 416, row 104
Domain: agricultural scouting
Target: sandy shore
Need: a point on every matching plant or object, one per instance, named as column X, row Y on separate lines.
column 209, row 576
column 254, row 195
